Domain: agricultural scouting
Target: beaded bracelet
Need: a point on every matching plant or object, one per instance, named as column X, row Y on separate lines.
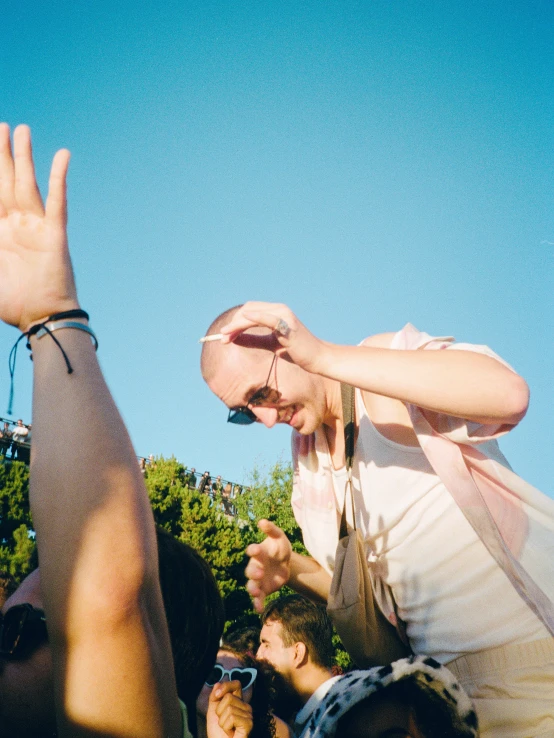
column 53, row 323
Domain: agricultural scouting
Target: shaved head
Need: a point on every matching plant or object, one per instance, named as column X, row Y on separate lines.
column 213, row 353
column 236, row 370
column 258, row 341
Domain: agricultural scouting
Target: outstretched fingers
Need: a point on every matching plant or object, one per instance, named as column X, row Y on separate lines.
column 7, row 195
column 56, row 202
column 27, row 195
column 276, row 317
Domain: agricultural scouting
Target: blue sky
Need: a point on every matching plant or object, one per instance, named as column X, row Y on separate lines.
column 368, row 163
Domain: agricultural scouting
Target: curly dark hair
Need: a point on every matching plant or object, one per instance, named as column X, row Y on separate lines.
column 194, row 612
column 242, row 640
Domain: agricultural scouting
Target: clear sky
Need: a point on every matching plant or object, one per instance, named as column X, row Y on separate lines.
column 368, row 163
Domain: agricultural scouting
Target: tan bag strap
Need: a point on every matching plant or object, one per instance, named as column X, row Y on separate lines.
column 349, row 422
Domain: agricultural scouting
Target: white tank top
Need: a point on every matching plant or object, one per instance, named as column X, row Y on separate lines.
column 449, row 590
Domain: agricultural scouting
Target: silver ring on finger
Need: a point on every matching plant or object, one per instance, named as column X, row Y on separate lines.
column 282, row 328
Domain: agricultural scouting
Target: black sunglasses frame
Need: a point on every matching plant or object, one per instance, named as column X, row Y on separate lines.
column 242, row 415
column 22, row 630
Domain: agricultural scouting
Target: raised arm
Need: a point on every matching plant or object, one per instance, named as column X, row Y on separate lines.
column 460, row 383
column 113, row 669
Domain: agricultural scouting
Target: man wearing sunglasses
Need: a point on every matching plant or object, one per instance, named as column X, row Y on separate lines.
column 452, row 534
column 105, row 668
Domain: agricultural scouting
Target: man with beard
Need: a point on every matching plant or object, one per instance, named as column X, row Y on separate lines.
column 296, row 639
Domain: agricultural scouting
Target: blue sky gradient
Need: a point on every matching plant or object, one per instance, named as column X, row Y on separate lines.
column 368, row 163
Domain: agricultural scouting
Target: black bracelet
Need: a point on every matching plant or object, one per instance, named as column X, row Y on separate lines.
column 57, row 316
column 45, row 329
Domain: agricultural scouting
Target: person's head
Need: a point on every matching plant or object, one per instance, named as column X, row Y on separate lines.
column 242, row 640
column 257, row 385
column 194, row 612
column 296, row 633
column 26, row 683
column 411, row 698
column 19, row 422
column 257, row 689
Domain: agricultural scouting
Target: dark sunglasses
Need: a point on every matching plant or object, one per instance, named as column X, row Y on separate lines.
column 22, row 629
column 266, row 395
column 244, row 674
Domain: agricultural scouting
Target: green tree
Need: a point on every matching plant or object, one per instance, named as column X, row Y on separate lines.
column 17, row 542
column 14, row 499
column 16, row 560
column 268, row 496
column 165, row 481
column 194, row 518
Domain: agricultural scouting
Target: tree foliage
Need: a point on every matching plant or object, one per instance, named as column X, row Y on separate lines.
column 268, row 496
column 187, row 514
column 17, row 542
column 194, row 518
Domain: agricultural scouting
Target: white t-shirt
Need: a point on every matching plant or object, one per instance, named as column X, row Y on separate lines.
column 450, row 592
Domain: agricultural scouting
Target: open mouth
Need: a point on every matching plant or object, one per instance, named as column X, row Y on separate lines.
column 289, row 415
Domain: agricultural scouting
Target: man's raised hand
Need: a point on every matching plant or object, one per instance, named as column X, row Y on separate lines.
column 36, row 278
column 269, row 566
column 290, row 335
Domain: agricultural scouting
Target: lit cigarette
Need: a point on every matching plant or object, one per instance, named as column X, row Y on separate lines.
column 211, row 337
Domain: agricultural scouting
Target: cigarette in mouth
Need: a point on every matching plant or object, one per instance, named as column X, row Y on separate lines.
column 211, row 337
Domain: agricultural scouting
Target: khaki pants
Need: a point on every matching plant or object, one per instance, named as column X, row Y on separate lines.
column 512, row 688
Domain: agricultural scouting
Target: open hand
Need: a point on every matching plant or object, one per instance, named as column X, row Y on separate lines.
column 228, row 715
column 36, row 278
column 269, row 566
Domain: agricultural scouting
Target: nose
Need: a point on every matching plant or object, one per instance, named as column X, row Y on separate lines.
column 266, row 415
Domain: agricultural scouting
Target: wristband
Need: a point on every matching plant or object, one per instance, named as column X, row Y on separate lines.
column 48, row 327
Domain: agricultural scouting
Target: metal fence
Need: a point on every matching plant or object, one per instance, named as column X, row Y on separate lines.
column 15, row 444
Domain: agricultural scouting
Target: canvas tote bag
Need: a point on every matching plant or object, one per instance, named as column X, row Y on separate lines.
column 368, row 637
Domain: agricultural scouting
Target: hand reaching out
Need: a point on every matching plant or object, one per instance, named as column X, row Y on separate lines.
column 228, row 715
column 269, row 566
column 36, row 278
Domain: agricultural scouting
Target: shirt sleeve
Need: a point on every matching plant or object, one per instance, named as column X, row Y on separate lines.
column 455, row 429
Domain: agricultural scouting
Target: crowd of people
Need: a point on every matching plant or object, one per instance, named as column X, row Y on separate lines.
column 15, row 440
column 118, row 629
column 15, row 444
column 221, row 492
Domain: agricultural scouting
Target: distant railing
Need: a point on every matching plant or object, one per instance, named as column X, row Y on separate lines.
column 15, row 444
column 221, row 491
column 15, row 440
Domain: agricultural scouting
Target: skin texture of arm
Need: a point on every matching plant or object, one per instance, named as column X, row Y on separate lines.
column 113, row 669
column 309, row 578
